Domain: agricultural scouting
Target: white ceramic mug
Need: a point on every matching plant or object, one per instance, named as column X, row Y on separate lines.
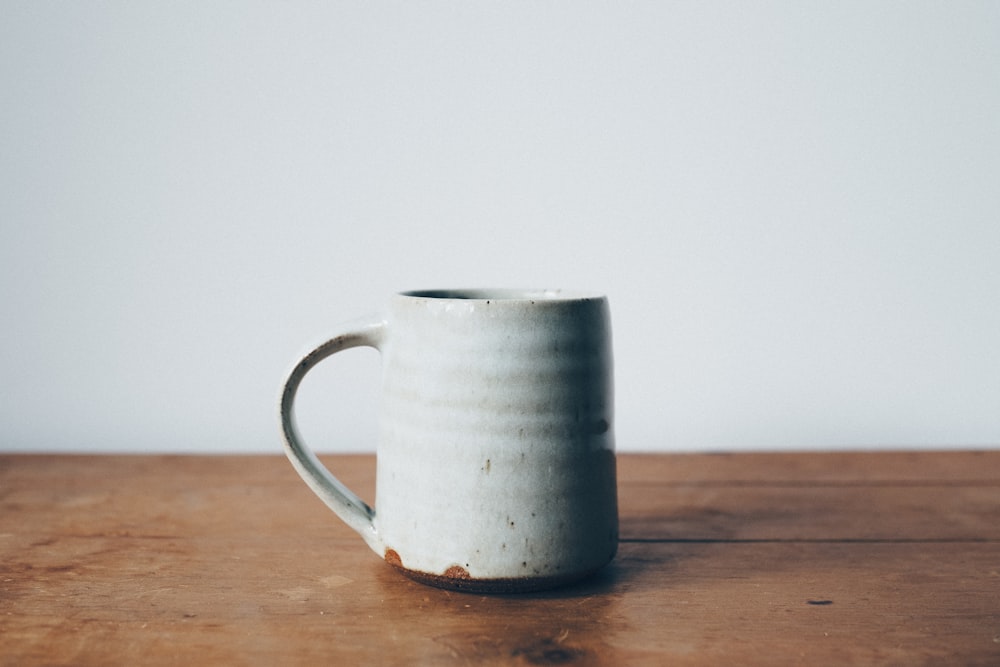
column 495, row 460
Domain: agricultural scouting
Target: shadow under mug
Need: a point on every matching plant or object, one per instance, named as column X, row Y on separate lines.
column 495, row 457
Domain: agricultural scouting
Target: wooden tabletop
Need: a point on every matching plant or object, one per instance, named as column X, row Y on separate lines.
column 743, row 559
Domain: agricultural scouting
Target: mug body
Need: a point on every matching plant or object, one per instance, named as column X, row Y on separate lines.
column 496, row 466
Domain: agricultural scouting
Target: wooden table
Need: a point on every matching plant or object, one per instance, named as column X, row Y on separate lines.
column 770, row 559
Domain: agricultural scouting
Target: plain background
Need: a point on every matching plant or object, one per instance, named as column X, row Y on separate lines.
column 794, row 208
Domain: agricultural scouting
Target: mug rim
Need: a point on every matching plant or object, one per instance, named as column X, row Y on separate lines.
column 489, row 294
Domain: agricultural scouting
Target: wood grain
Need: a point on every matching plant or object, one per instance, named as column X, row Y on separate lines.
column 762, row 559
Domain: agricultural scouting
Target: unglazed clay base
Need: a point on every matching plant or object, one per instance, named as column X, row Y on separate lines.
column 456, row 578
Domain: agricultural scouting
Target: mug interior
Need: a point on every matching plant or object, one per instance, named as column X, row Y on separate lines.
column 502, row 294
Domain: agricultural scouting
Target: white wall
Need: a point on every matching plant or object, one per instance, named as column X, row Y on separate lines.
column 794, row 208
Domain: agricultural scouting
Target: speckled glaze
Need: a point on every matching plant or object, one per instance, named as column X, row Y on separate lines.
column 496, row 467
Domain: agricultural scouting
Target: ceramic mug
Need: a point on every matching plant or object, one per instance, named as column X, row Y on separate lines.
column 495, row 461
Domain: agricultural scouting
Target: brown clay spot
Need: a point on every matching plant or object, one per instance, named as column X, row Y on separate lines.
column 457, row 578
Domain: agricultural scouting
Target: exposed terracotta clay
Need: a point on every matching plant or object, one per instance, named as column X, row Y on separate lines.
column 457, row 578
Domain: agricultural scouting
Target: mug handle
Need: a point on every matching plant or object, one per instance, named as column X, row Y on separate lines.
column 345, row 503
